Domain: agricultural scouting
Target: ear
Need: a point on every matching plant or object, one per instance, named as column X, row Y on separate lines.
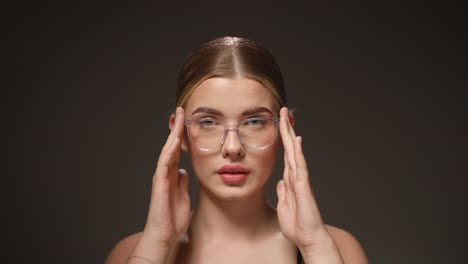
column 171, row 126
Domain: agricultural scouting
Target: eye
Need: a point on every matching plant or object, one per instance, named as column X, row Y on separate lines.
column 207, row 122
column 255, row 122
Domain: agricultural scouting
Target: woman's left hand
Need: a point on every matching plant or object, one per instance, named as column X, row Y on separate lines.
column 297, row 210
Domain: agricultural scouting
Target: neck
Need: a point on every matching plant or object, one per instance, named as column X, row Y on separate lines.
column 242, row 219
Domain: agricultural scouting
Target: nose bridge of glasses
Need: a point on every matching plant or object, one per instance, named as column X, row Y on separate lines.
column 231, row 127
column 235, row 128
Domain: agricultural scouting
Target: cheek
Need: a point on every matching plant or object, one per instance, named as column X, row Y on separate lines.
column 202, row 162
column 265, row 161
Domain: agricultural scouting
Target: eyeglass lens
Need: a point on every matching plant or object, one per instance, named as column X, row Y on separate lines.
column 208, row 134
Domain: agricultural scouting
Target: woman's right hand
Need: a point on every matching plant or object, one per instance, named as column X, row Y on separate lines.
column 169, row 212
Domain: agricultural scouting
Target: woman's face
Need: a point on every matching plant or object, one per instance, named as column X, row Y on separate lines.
column 232, row 101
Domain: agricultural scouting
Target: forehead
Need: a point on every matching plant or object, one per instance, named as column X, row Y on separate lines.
column 230, row 96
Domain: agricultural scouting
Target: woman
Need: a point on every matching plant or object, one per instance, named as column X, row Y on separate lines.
column 231, row 118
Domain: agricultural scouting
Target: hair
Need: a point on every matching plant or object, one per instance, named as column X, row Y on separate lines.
column 230, row 57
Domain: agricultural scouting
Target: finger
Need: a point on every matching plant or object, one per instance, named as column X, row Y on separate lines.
column 170, row 137
column 285, row 133
column 288, row 142
column 287, row 181
column 162, row 160
column 183, row 181
column 160, row 195
column 177, row 129
column 162, row 181
column 288, row 174
column 290, row 127
column 303, row 174
column 286, row 170
column 179, row 123
column 296, row 156
column 284, row 193
column 301, row 162
column 280, row 192
column 169, row 161
column 300, row 158
column 292, row 134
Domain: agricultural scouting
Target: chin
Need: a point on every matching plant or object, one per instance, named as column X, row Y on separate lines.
column 230, row 193
column 234, row 193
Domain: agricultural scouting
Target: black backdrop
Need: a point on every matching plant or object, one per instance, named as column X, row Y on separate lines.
column 378, row 92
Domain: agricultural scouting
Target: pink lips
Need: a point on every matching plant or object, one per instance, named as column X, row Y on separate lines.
column 233, row 173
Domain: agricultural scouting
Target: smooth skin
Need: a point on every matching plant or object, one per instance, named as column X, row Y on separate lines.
column 171, row 231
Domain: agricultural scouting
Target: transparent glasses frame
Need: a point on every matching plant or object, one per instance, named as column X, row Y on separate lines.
column 235, row 127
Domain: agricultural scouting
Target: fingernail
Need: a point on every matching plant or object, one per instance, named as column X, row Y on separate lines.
column 299, row 139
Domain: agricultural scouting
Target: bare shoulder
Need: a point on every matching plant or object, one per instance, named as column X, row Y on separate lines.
column 350, row 248
column 123, row 249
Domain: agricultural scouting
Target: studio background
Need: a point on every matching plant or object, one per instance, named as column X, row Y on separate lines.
column 378, row 92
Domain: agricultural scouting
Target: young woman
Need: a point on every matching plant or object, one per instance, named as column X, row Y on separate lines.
column 231, row 118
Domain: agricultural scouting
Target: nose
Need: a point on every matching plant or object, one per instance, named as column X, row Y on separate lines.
column 232, row 146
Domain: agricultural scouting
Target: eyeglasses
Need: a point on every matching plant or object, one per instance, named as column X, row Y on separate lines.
column 208, row 134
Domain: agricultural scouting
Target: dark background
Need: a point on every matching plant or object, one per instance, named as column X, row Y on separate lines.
column 378, row 92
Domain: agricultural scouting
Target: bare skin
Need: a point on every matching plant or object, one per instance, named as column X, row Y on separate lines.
column 235, row 224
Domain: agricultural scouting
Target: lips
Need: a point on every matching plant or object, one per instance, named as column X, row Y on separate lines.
column 232, row 169
column 233, row 173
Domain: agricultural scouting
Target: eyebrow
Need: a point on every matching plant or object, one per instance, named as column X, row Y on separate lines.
column 209, row 110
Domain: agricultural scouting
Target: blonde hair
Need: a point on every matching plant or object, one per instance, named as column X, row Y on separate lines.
column 230, row 57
